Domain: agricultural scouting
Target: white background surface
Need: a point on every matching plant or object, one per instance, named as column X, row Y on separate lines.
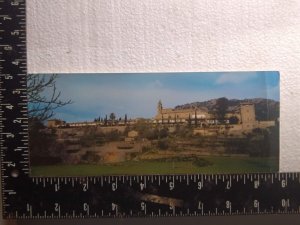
column 174, row 35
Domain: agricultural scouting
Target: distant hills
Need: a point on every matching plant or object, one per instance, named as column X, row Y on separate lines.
column 265, row 109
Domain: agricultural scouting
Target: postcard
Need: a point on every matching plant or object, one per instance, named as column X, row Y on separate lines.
column 153, row 123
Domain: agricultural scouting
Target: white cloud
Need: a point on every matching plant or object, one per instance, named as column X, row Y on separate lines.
column 234, row 78
column 156, row 84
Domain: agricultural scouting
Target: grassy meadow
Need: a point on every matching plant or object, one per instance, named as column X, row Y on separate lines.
column 212, row 165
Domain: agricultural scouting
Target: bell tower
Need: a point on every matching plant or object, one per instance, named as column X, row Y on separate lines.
column 159, row 107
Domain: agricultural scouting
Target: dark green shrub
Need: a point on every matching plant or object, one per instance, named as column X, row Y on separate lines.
column 163, row 144
column 91, row 157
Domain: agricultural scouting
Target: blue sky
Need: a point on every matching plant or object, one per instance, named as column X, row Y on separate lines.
column 136, row 95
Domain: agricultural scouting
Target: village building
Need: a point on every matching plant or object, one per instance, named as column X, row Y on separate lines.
column 55, row 123
column 83, row 124
column 170, row 115
column 244, row 115
column 131, row 136
column 199, row 114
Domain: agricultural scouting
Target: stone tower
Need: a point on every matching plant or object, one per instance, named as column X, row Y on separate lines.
column 248, row 119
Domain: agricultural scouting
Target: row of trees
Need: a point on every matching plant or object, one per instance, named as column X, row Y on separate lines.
column 112, row 117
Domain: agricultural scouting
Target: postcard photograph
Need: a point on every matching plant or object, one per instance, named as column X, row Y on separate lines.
column 153, row 123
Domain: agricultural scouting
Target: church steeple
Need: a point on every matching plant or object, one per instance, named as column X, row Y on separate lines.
column 159, row 107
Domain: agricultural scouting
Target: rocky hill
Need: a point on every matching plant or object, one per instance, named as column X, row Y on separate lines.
column 265, row 109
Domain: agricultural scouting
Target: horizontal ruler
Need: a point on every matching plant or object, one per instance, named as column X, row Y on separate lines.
column 153, row 195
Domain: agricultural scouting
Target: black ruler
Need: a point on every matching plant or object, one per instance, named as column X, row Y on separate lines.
column 112, row 196
column 151, row 196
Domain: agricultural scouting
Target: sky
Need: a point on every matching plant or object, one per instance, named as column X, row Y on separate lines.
column 137, row 94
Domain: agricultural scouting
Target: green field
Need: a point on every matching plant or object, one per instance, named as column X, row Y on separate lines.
column 218, row 165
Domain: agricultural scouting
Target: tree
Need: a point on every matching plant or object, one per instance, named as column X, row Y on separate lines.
column 43, row 99
column 43, row 147
column 163, row 133
column 221, row 108
column 43, row 96
column 98, row 119
column 105, row 120
column 163, row 144
column 189, row 120
column 112, row 116
column 125, row 119
column 233, row 120
column 141, row 127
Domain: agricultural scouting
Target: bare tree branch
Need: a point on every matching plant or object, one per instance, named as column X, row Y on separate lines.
column 41, row 104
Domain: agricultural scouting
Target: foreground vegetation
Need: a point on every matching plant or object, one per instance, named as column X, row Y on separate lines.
column 156, row 149
column 208, row 165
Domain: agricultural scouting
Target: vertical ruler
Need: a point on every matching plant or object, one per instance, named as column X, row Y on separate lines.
column 13, row 112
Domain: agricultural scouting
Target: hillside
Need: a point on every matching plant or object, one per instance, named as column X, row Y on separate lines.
column 265, row 109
